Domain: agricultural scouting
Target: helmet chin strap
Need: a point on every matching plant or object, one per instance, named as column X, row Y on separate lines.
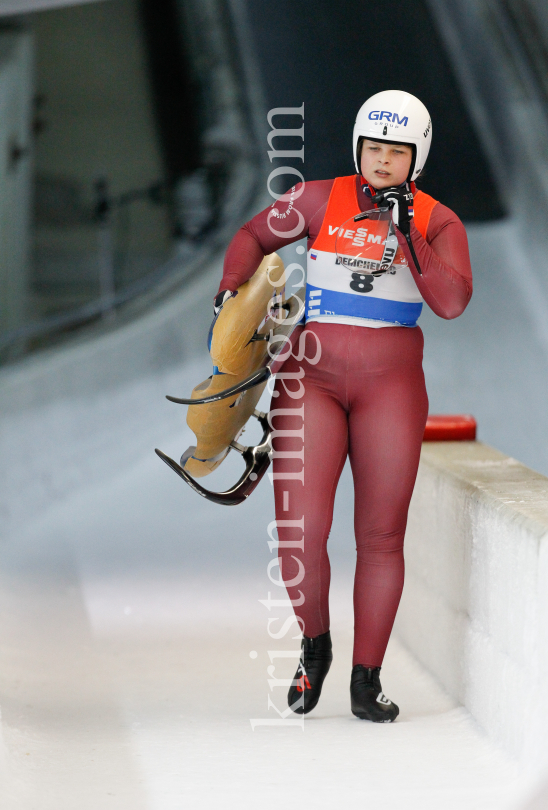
column 367, row 188
column 370, row 190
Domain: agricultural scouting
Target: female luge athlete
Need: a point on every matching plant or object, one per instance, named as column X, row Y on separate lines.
column 366, row 396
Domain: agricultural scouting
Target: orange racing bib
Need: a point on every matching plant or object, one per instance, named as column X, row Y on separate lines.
column 349, row 279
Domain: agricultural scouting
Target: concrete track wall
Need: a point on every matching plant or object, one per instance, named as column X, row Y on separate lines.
column 475, row 604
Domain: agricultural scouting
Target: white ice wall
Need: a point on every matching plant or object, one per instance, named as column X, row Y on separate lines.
column 475, row 604
column 74, row 414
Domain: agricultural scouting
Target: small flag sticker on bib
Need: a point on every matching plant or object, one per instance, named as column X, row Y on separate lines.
column 313, row 255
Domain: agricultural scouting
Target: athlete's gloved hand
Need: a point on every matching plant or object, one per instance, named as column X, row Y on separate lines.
column 400, row 200
column 221, row 298
column 218, row 303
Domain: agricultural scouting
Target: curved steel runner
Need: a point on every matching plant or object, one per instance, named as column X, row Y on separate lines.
column 257, row 460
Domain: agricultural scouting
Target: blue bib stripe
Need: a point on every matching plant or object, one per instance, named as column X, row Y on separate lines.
column 329, row 302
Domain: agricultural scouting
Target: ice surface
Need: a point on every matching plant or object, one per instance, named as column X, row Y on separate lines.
column 128, row 615
column 492, row 362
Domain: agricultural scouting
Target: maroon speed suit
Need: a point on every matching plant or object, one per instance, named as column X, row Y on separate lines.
column 365, row 398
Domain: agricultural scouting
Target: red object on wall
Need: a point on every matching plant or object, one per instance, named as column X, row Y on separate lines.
column 446, row 428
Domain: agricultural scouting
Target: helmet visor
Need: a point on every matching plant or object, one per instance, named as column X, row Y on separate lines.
column 366, row 245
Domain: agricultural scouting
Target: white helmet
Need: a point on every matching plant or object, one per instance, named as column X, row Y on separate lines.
column 396, row 116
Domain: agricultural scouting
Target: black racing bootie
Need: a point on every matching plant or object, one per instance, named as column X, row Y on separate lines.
column 367, row 700
column 316, row 658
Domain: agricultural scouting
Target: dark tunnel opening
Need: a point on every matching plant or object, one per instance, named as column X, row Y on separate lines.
column 336, row 57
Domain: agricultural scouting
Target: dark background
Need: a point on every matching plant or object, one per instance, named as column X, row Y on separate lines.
column 333, row 56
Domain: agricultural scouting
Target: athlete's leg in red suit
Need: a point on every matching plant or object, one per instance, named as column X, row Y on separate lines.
column 365, row 398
